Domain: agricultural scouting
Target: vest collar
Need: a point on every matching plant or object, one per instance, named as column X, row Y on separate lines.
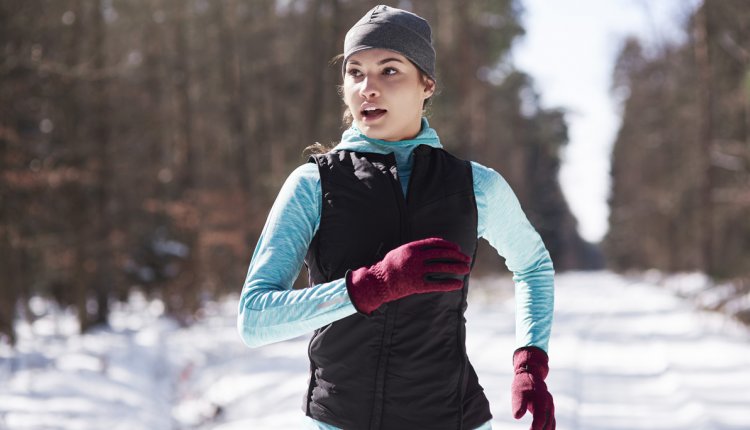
column 354, row 140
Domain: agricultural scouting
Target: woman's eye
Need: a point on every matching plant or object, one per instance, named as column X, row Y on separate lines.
column 353, row 72
column 389, row 71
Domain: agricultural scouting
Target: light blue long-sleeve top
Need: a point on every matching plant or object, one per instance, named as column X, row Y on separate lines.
column 271, row 311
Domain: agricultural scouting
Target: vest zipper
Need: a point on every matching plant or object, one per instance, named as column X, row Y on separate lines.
column 461, row 330
column 392, row 309
column 402, row 199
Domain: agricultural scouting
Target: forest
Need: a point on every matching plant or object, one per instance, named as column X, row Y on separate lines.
column 680, row 198
column 142, row 143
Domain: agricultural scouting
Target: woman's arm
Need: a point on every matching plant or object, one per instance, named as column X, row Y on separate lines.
column 505, row 226
column 270, row 310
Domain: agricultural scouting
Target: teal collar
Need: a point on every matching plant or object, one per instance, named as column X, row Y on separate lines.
column 354, row 140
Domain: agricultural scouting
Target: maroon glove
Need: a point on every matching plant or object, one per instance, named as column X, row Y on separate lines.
column 423, row 266
column 529, row 391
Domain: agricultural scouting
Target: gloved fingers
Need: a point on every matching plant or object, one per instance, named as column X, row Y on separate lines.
column 543, row 411
column 553, row 423
column 520, row 404
column 437, row 255
column 434, row 282
column 545, row 422
column 448, row 269
column 434, row 242
column 542, row 419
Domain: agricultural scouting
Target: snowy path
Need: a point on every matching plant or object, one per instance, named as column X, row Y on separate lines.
column 632, row 356
column 624, row 355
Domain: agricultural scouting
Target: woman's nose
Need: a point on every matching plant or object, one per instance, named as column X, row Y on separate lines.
column 369, row 88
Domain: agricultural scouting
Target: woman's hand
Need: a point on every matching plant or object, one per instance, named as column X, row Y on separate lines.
column 529, row 392
column 422, row 266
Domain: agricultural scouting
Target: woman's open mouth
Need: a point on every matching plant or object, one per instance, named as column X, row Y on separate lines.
column 371, row 114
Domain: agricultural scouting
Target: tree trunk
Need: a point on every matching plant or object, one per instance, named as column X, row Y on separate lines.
column 233, row 89
column 187, row 173
column 703, row 61
column 103, row 277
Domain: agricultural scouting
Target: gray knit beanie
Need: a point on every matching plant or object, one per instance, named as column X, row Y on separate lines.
column 396, row 30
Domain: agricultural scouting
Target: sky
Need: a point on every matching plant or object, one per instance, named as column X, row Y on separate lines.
column 569, row 49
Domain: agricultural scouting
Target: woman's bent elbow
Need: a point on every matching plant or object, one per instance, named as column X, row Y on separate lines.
column 250, row 333
column 251, row 338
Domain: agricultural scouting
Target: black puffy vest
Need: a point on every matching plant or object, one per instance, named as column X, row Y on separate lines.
column 405, row 366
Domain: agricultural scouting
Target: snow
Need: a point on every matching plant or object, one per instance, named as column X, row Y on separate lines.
column 625, row 354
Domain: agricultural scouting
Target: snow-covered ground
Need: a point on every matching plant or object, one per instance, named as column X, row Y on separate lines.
column 624, row 354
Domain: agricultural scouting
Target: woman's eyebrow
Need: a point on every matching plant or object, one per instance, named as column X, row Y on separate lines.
column 389, row 59
column 355, row 62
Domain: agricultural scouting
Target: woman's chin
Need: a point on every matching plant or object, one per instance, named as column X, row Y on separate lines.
column 381, row 134
column 371, row 131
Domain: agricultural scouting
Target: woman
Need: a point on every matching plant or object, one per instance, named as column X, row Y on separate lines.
column 387, row 224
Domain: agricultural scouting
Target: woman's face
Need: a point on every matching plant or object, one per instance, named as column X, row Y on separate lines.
column 385, row 93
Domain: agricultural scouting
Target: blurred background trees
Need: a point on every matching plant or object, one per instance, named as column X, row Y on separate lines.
column 681, row 162
column 143, row 142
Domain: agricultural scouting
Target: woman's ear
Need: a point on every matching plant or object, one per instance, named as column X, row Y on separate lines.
column 429, row 87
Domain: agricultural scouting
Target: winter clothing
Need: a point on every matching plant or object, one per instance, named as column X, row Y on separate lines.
column 270, row 310
column 423, row 266
column 403, row 366
column 396, row 30
column 528, row 390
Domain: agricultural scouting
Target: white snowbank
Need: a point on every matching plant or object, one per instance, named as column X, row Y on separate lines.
column 625, row 354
